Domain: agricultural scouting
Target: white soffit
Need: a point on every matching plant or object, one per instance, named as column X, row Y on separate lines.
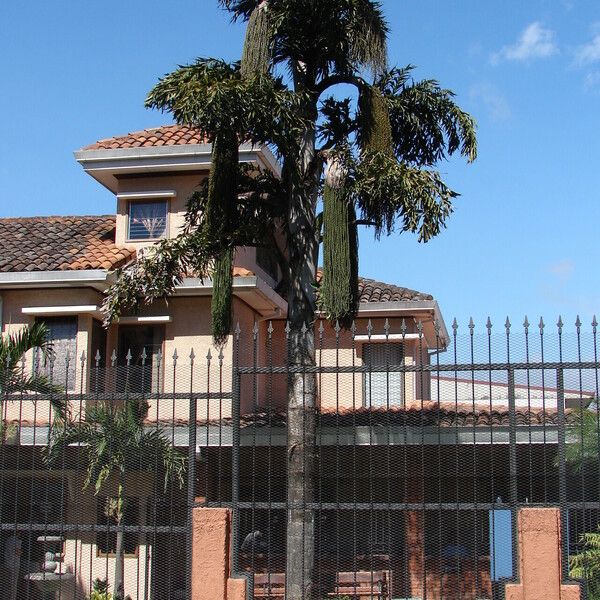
column 135, row 320
column 150, row 194
column 61, row 310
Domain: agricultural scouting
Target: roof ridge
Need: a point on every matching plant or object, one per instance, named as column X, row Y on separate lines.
column 46, row 217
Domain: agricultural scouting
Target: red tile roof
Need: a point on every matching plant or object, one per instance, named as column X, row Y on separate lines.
column 87, row 242
column 370, row 290
column 167, row 135
column 60, row 244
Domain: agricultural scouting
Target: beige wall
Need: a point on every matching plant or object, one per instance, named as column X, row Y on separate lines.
column 184, row 186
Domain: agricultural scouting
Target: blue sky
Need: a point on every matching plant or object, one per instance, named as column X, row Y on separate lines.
column 523, row 238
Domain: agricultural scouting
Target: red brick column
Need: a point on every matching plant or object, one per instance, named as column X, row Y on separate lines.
column 540, row 558
column 414, row 538
column 211, row 543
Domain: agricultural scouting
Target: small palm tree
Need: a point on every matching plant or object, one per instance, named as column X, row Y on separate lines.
column 586, row 564
column 14, row 380
column 583, row 440
column 115, row 442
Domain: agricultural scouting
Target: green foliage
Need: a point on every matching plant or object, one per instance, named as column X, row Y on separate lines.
column 13, row 377
column 257, row 45
column 339, row 288
column 427, row 125
column 375, row 132
column 390, row 147
column 115, row 441
column 583, row 440
column 100, row 590
column 586, row 564
column 222, row 296
column 389, row 191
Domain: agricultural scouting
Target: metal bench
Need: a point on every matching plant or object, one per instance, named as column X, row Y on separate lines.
column 363, row 584
column 269, row 585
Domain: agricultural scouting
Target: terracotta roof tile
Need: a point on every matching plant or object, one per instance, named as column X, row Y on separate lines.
column 60, row 244
column 170, row 135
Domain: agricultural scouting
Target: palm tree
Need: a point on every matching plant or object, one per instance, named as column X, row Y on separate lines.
column 115, row 443
column 371, row 162
column 14, row 379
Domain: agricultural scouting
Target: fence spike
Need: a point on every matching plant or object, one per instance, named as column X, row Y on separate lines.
column 321, row 329
column 208, row 356
column 255, row 330
column 82, row 358
column 488, row 325
column 287, row 330
column 270, row 328
column 303, row 329
column 337, row 329
column 369, row 328
column 192, row 356
column 594, row 323
column 237, row 331
column 578, row 324
column 353, row 328
column 420, row 327
column 175, row 357
column 437, row 327
column 454, row 325
column 113, row 358
column 403, row 327
column 526, row 324
column 221, row 356
column 128, row 357
column 386, row 327
column 471, row 325
column 541, row 326
column 143, row 355
column 559, row 324
column 507, row 325
column 97, row 358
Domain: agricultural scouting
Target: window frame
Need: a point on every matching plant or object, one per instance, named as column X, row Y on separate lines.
column 41, row 364
column 389, row 346
column 150, row 199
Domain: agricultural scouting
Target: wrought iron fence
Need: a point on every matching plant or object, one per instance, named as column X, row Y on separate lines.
column 427, row 444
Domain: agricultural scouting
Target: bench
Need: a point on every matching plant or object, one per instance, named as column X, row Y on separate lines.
column 269, row 585
column 363, row 584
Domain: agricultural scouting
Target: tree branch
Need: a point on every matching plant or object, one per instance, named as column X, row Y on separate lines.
column 332, row 80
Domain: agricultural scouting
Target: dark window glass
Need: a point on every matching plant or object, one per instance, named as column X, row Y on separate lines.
column 143, row 374
column 147, row 220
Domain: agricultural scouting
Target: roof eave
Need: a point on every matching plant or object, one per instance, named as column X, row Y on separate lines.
column 429, row 309
column 106, row 165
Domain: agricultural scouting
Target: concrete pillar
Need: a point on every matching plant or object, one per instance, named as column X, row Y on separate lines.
column 540, row 558
column 210, row 557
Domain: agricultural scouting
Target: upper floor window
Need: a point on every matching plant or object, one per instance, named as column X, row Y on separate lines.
column 61, row 364
column 147, row 219
column 383, row 388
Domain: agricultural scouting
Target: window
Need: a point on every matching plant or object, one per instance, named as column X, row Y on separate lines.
column 147, row 220
column 143, row 375
column 383, row 388
column 62, row 332
column 106, row 536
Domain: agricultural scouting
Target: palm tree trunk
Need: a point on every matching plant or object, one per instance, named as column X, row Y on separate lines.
column 119, row 593
column 303, row 247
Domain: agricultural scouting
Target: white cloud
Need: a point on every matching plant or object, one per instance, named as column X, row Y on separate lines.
column 589, row 53
column 591, row 83
column 562, row 269
column 536, row 41
column 493, row 101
